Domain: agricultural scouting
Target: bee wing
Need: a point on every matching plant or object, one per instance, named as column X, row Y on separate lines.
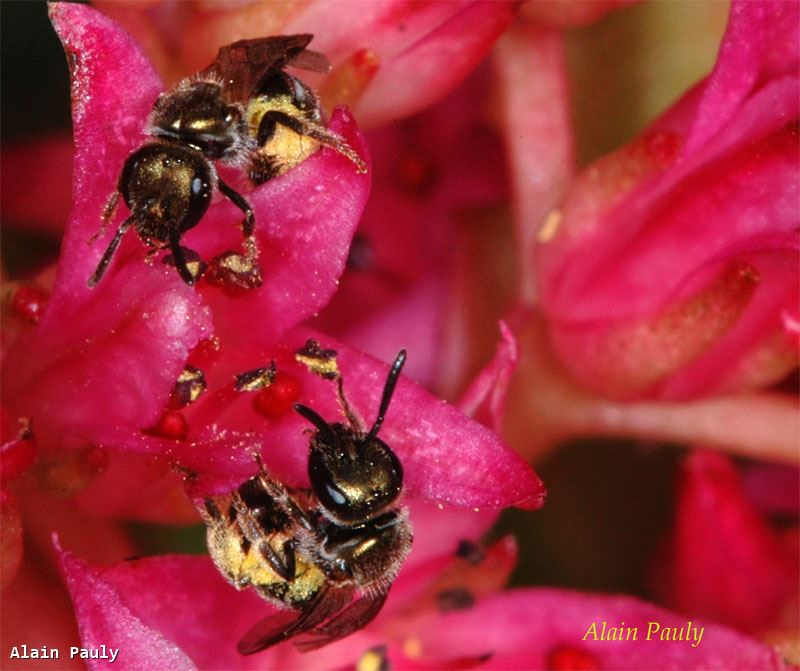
column 282, row 626
column 242, row 65
column 311, row 60
column 356, row 616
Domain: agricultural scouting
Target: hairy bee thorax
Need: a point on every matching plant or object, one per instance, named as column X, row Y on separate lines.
column 196, row 114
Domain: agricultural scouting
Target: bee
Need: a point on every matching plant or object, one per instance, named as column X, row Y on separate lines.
column 244, row 111
column 328, row 553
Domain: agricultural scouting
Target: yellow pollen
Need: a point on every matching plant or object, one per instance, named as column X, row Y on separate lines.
column 550, row 226
column 412, row 648
column 371, row 660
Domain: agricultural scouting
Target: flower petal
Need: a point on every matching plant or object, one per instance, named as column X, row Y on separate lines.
column 521, row 629
column 761, row 42
column 305, row 221
column 93, row 367
column 676, row 256
column 446, row 456
column 485, row 399
column 429, row 47
column 190, row 603
column 723, row 560
column 105, row 618
column 435, row 62
column 113, row 89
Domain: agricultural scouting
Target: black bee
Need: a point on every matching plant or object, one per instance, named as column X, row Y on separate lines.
column 244, row 111
column 330, row 553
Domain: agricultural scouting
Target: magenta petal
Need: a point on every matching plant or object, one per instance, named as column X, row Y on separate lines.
column 435, row 62
column 105, row 617
column 190, row 602
column 524, row 628
column 90, row 368
column 439, row 529
column 724, row 561
column 113, row 89
column 668, row 269
column 305, row 221
column 485, row 399
column 446, row 457
column 762, row 41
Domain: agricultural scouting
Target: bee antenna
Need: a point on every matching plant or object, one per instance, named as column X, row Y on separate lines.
column 312, row 416
column 388, row 390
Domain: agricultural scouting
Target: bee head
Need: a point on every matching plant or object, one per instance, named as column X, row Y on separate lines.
column 355, row 475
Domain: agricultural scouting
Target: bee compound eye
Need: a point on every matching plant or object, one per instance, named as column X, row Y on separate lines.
column 325, row 487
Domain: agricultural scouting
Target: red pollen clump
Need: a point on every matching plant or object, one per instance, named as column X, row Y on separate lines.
column 277, row 399
column 570, row 658
column 172, row 425
column 29, row 303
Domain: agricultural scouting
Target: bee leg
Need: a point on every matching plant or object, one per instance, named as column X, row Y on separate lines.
column 108, row 213
column 352, row 418
column 97, row 275
column 278, row 492
column 283, row 565
column 249, row 221
column 179, row 257
column 308, row 129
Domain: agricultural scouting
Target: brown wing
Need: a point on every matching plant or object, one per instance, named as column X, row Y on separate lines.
column 242, row 65
column 282, row 626
column 356, row 616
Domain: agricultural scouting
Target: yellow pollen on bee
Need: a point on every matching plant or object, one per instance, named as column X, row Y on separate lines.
column 550, row 226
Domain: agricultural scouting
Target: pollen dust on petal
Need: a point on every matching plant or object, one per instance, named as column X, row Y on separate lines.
column 632, row 356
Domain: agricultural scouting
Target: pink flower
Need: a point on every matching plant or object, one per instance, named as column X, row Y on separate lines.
column 723, row 559
column 670, row 268
column 658, row 287
column 406, row 275
column 95, row 372
column 443, row 613
column 142, row 314
column 429, row 47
